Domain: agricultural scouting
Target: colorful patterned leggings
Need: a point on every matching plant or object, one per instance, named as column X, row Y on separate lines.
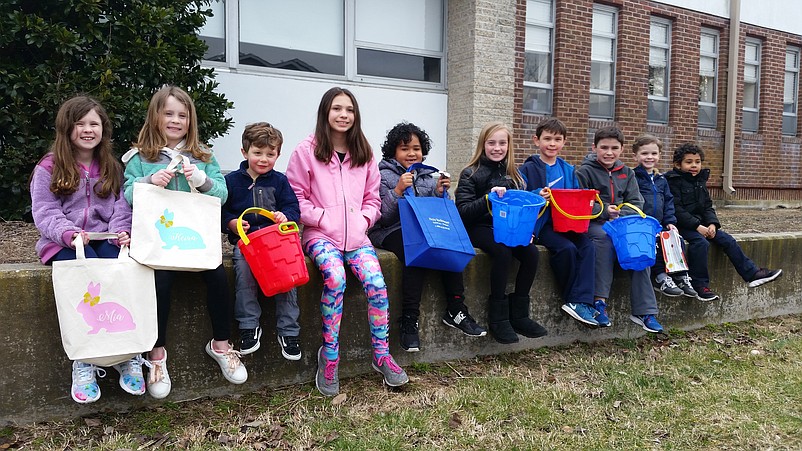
column 365, row 266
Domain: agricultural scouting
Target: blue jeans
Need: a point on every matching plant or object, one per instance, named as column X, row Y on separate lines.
column 573, row 258
column 698, row 248
column 247, row 309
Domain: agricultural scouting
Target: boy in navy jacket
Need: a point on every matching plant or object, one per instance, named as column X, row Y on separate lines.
column 658, row 202
column 572, row 254
column 256, row 184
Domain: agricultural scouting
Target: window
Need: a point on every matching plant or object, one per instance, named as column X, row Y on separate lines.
column 790, row 97
column 708, row 78
column 602, row 63
column 751, row 85
column 351, row 39
column 539, row 45
column 659, row 55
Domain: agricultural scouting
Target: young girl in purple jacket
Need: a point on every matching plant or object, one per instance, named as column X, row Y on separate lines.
column 77, row 188
column 336, row 180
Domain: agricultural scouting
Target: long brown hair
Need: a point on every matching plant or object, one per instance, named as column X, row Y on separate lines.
column 509, row 160
column 358, row 146
column 151, row 137
column 66, row 177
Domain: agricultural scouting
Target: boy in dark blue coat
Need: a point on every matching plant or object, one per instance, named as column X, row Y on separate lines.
column 256, row 184
column 572, row 254
column 658, row 202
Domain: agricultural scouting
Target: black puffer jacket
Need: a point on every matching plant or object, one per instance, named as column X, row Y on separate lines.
column 692, row 203
column 474, row 184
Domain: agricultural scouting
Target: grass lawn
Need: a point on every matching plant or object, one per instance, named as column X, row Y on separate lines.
column 733, row 386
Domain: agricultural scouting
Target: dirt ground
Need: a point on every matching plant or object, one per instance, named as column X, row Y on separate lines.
column 17, row 239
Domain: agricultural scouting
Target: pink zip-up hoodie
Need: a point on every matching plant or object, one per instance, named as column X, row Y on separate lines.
column 339, row 202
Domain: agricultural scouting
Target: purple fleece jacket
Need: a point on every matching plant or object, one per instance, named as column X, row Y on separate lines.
column 58, row 217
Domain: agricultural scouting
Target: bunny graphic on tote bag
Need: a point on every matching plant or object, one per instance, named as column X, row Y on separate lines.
column 107, row 315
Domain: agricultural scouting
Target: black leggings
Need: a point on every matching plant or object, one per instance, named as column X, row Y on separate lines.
column 218, row 302
column 502, row 255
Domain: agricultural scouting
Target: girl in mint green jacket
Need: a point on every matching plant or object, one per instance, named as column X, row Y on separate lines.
column 171, row 129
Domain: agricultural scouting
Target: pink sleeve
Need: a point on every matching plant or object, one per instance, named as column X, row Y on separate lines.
column 299, row 174
column 371, row 201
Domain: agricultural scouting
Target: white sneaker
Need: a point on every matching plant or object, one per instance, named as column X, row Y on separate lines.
column 84, row 387
column 131, row 379
column 159, row 383
column 233, row 369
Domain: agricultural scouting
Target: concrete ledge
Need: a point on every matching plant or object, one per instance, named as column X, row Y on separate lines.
column 37, row 373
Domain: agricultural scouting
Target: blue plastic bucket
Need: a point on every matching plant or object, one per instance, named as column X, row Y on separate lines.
column 634, row 238
column 514, row 216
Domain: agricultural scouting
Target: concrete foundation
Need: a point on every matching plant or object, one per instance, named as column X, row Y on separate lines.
column 36, row 376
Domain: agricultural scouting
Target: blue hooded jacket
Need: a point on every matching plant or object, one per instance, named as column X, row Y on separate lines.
column 658, row 202
column 534, row 173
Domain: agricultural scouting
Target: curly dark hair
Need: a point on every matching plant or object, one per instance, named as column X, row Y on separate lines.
column 402, row 133
column 685, row 149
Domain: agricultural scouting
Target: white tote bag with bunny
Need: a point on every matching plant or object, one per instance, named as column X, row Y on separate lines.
column 176, row 230
column 106, row 307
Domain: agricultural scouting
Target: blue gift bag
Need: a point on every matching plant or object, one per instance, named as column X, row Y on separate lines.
column 434, row 236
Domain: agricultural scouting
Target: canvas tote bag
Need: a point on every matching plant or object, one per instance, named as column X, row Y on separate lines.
column 106, row 307
column 175, row 230
column 434, row 236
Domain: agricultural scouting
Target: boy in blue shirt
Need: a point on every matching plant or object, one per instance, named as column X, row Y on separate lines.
column 658, row 202
column 572, row 254
column 256, row 184
column 603, row 171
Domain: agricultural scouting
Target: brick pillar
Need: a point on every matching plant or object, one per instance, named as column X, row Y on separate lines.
column 481, row 72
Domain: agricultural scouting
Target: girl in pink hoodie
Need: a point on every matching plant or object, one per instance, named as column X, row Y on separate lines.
column 336, row 180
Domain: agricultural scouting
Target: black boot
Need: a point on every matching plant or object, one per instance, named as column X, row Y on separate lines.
column 498, row 313
column 410, row 340
column 519, row 318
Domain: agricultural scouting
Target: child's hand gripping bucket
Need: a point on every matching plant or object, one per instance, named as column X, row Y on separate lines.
column 634, row 238
column 573, row 209
column 274, row 254
column 514, row 216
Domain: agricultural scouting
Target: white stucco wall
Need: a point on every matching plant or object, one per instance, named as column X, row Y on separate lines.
column 290, row 104
column 783, row 15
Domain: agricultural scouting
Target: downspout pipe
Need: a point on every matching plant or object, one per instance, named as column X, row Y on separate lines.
column 732, row 93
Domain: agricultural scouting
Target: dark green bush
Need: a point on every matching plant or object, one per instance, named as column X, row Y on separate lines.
column 119, row 51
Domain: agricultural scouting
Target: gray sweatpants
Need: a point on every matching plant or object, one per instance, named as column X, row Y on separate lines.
column 641, row 298
column 247, row 309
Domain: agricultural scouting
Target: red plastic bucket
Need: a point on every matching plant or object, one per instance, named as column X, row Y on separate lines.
column 274, row 254
column 572, row 209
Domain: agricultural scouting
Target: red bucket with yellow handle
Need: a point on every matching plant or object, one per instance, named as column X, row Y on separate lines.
column 274, row 254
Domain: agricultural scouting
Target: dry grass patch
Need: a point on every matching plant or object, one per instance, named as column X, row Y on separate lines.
column 735, row 386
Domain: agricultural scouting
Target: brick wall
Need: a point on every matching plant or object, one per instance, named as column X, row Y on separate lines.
column 766, row 165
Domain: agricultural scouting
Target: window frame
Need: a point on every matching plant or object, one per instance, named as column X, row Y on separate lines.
column 790, row 119
column 758, row 44
column 715, row 56
column 550, row 26
column 612, row 11
column 666, row 46
column 351, row 47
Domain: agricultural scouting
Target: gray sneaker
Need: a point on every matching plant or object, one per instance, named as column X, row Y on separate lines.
column 327, row 380
column 394, row 376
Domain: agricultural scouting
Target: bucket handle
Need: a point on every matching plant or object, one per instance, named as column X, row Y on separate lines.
column 637, row 210
column 284, row 228
column 415, row 167
column 576, row 217
column 490, row 210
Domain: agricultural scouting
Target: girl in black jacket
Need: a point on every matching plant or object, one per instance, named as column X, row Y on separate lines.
column 492, row 169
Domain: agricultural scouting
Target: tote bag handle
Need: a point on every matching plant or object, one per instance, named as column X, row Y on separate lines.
column 78, row 242
column 415, row 167
column 173, row 167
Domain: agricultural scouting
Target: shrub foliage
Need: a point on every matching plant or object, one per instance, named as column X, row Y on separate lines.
column 119, row 51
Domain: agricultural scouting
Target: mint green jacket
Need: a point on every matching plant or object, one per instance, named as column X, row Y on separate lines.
column 139, row 170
